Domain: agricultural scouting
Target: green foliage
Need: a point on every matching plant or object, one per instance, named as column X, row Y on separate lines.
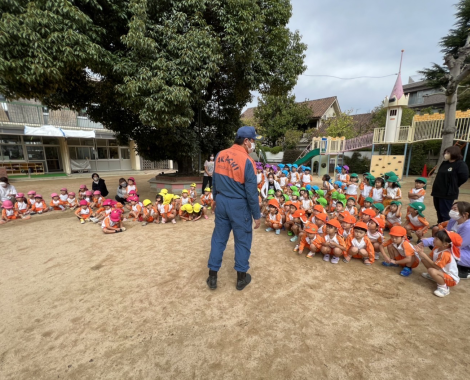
column 291, row 155
column 171, row 75
column 341, row 125
column 357, row 163
column 380, row 116
column 463, row 97
column 273, row 150
column 277, row 114
column 292, row 138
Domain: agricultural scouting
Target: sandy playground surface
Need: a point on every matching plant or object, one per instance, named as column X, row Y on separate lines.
column 77, row 304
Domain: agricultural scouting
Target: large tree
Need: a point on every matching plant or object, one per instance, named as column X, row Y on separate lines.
column 278, row 113
column 456, row 68
column 171, row 75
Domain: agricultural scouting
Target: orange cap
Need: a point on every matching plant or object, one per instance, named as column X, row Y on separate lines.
column 311, row 229
column 298, row 213
column 370, row 212
column 273, row 202
column 379, row 221
column 456, row 240
column 398, row 231
column 334, row 223
column 361, row 225
column 322, row 217
column 348, row 218
column 319, row 208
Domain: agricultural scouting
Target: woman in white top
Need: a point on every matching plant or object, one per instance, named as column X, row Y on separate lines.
column 208, row 171
column 268, row 185
column 7, row 191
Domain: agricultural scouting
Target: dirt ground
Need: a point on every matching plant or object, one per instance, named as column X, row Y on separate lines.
column 77, row 304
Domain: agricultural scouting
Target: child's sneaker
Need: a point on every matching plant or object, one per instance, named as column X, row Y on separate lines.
column 294, row 239
column 377, row 256
column 406, row 271
column 326, row 257
column 442, row 292
column 144, row 224
column 385, row 264
column 269, row 229
column 296, row 248
column 335, row 260
column 173, row 221
column 82, row 221
column 278, row 232
column 163, row 221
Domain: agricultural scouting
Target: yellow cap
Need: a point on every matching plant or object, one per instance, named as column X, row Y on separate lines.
column 176, row 197
column 193, row 185
column 207, row 189
column 147, row 202
column 197, row 207
column 187, row 208
column 167, row 199
column 163, row 192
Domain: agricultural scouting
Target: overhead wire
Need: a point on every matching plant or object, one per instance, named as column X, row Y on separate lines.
column 332, row 76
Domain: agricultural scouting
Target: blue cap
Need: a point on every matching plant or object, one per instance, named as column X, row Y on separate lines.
column 285, row 172
column 338, row 168
column 308, row 187
column 307, row 168
column 295, row 166
column 281, row 165
column 339, row 183
column 247, row 132
column 289, row 165
column 315, row 187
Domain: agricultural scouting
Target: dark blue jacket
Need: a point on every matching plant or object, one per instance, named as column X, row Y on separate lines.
column 235, row 177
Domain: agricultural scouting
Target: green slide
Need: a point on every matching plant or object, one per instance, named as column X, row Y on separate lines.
column 308, row 156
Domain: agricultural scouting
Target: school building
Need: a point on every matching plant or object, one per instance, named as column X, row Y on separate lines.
column 37, row 140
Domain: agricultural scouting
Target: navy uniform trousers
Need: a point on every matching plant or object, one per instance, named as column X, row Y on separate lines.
column 231, row 214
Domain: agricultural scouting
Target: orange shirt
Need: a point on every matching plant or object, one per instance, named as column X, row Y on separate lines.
column 317, row 241
column 364, row 244
column 39, row 206
column 9, row 214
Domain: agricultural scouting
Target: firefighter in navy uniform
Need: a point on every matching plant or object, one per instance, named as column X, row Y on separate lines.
column 235, row 193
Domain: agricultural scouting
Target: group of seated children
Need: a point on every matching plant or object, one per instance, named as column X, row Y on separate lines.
column 346, row 219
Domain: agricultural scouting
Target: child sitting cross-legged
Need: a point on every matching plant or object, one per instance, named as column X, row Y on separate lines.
column 415, row 221
column 334, row 245
column 359, row 246
column 400, row 252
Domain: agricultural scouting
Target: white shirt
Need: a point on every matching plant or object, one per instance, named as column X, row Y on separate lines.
column 414, row 220
column 329, row 239
column 374, row 237
column 377, row 194
column 63, row 197
column 392, row 192
column 416, row 191
column 352, row 189
column 359, row 245
column 366, row 191
column 450, row 268
column 5, row 192
column 392, row 218
column 24, row 206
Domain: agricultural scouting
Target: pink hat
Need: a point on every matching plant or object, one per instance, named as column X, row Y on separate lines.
column 132, row 192
column 32, row 192
column 72, row 193
column 83, row 202
column 54, row 195
column 82, row 186
column 113, row 202
column 19, row 195
column 115, row 216
column 131, row 179
column 38, row 196
column 88, row 192
column 107, row 202
column 63, row 189
column 97, row 192
column 7, row 204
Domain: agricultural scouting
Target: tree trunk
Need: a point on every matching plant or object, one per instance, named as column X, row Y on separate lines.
column 185, row 165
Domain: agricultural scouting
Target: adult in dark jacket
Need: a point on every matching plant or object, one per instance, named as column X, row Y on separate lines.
column 452, row 174
column 99, row 184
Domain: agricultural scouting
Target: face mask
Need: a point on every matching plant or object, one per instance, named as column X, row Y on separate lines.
column 95, row 179
column 3, row 184
column 454, row 215
column 446, row 157
column 123, row 184
column 212, row 158
column 253, row 147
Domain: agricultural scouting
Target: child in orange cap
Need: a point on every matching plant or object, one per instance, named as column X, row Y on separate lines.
column 367, row 205
column 112, row 224
column 311, row 240
column 274, row 218
column 333, row 245
column 317, row 209
column 320, row 221
column 441, row 263
column 290, row 218
column 375, row 234
column 39, row 206
column 367, row 215
column 21, row 205
column 400, row 252
column 347, row 225
column 393, row 214
column 84, row 212
column 299, row 217
column 359, row 246
column 415, row 221
column 56, row 203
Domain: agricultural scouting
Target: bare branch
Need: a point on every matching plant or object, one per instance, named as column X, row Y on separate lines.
column 463, row 74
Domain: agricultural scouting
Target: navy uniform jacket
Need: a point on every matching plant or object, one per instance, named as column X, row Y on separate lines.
column 234, row 177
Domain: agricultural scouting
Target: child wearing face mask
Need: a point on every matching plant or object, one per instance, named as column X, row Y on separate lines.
column 7, row 191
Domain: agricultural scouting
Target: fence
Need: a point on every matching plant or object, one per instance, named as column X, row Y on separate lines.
column 158, row 165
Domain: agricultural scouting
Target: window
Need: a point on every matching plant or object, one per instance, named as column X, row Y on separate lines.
column 393, row 112
column 50, row 141
column 73, row 153
column 101, row 142
column 7, row 139
column 73, row 142
column 12, row 152
column 88, row 142
column 114, row 153
column 83, row 153
column 103, row 153
column 113, row 143
column 125, row 154
column 35, row 152
column 32, row 140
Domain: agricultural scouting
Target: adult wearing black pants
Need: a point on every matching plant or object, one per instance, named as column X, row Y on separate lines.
column 452, row 173
column 208, row 171
column 121, row 194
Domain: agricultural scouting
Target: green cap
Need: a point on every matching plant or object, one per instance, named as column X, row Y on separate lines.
column 334, row 195
column 286, row 197
column 320, row 192
column 341, row 197
column 366, row 173
column 295, row 193
column 390, row 174
column 354, row 199
column 418, row 206
column 271, row 192
column 310, row 192
column 270, row 197
column 369, row 199
column 294, row 188
column 353, row 175
column 393, row 178
column 303, row 188
column 421, row 179
column 398, row 203
column 322, row 201
column 379, row 206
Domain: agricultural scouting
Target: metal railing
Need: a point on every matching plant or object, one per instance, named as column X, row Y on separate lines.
column 31, row 114
column 359, row 142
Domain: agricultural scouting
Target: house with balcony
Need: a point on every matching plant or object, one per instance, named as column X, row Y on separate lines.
column 422, row 95
column 37, row 140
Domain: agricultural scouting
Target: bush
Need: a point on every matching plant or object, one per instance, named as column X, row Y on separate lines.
column 357, row 163
column 273, row 150
column 291, row 155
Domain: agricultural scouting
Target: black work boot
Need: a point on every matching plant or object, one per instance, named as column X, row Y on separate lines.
column 243, row 279
column 212, row 279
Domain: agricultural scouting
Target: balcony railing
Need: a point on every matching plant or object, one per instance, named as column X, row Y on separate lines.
column 17, row 113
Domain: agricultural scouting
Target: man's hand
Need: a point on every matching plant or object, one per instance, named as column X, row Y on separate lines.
column 257, row 223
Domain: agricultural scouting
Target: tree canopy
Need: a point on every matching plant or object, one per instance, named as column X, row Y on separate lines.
column 171, row 75
column 276, row 114
column 341, row 125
